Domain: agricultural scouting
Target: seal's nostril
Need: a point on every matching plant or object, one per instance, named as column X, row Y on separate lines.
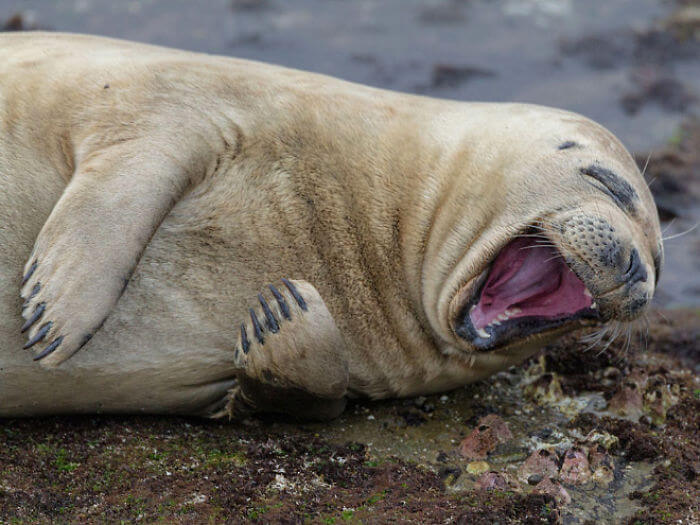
column 635, row 271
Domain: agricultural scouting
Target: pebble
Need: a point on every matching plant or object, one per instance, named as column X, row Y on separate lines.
column 490, row 431
column 493, row 481
column 559, row 493
column 478, row 467
column 535, row 479
column 575, row 470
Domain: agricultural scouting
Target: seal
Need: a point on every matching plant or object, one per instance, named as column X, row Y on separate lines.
column 193, row 234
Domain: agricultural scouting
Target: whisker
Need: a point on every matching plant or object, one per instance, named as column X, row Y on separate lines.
column 533, row 235
column 646, row 164
column 596, row 337
column 538, row 246
column 662, row 315
column 616, row 333
column 646, row 333
column 668, row 226
column 680, row 234
column 557, row 256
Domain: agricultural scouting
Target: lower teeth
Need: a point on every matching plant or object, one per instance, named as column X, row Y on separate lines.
column 483, row 333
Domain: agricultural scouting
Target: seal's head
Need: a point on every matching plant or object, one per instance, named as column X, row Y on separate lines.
column 570, row 237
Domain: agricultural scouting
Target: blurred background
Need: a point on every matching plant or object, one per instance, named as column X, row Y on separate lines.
column 632, row 65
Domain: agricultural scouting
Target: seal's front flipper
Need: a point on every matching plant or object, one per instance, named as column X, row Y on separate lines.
column 291, row 357
column 91, row 242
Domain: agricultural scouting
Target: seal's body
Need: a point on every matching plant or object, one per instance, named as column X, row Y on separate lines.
column 149, row 195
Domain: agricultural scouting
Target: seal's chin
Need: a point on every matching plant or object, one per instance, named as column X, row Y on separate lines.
column 528, row 290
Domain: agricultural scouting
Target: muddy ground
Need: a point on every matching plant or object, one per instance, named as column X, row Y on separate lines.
column 574, row 435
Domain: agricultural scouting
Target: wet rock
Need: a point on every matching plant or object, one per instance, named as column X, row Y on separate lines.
column 671, row 173
column 684, row 23
column 597, row 51
column 534, row 479
column 421, row 403
column 509, row 452
column 477, row 467
column 641, row 396
column 575, row 470
column 658, row 398
column 554, row 489
column 14, row 23
column 449, row 474
column 610, row 376
column 657, row 87
column 635, row 440
column 544, row 463
column 642, row 48
column 545, row 390
column 555, row 441
column 490, row 431
column 602, row 465
column 628, row 400
column 544, row 433
column 494, row 481
column 19, row 22
column 602, row 438
column 412, row 418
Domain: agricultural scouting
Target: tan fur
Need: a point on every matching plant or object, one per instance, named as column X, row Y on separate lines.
column 389, row 204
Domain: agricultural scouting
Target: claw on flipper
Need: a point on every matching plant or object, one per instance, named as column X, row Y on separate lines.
column 257, row 329
column 295, row 293
column 284, row 307
column 39, row 335
column 49, row 349
column 245, row 343
column 272, row 323
column 29, row 273
column 38, row 312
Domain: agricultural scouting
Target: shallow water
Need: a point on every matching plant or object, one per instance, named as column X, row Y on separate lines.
column 590, row 56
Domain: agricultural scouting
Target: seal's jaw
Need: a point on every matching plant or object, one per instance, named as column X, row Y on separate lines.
column 529, row 289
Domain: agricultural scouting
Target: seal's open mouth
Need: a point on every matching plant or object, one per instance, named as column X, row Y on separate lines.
column 528, row 289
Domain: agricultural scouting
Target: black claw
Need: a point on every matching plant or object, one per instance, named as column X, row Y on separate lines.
column 272, row 323
column 29, row 274
column 284, row 307
column 49, row 349
column 245, row 343
column 297, row 296
column 38, row 312
column 32, row 295
column 39, row 335
column 257, row 329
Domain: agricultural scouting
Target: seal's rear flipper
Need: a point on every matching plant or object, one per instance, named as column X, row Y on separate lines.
column 291, row 357
column 91, row 242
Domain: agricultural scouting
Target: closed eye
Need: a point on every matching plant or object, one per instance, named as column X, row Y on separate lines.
column 617, row 188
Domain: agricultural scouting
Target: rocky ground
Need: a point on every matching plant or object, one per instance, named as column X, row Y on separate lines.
column 574, row 435
column 577, row 434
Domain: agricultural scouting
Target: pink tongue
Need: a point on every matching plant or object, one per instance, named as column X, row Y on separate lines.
column 533, row 278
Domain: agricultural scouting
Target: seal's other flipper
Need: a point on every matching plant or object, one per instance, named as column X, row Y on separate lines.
column 291, row 357
column 91, row 242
